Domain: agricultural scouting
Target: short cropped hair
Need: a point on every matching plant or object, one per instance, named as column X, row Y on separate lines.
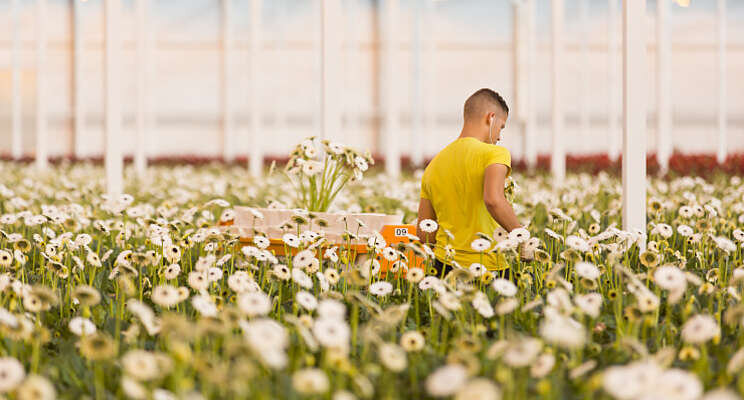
column 478, row 103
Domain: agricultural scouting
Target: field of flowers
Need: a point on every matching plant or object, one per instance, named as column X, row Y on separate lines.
column 143, row 296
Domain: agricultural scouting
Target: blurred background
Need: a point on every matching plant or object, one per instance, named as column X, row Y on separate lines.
column 240, row 78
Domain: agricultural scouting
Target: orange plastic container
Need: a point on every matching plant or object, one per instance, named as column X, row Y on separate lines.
column 393, row 235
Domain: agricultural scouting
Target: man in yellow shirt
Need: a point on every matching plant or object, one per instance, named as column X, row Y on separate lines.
column 463, row 187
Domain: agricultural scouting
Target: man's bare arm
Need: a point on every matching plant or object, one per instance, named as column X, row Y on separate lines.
column 426, row 211
column 493, row 196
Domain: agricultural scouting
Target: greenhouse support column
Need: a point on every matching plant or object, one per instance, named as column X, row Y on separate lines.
column 78, row 135
column 663, row 79
column 519, row 63
column 722, row 103
column 429, row 74
column 143, row 60
column 255, row 152
column 228, row 126
column 613, row 63
column 330, row 44
column 530, row 126
column 584, row 70
column 389, row 72
column 42, row 161
column 634, row 115
column 113, row 157
column 417, row 116
column 16, row 145
column 558, row 158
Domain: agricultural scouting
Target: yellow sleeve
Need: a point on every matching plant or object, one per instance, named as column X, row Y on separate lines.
column 498, row 155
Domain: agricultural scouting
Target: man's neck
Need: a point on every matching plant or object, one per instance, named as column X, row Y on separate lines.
column 473, row 133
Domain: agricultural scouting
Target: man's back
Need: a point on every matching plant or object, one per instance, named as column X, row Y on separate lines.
column 453, row 182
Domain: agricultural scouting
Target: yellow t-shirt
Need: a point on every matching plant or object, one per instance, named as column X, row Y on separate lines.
column 453, row 182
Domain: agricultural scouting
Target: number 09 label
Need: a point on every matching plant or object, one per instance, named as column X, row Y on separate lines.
column 401, row 231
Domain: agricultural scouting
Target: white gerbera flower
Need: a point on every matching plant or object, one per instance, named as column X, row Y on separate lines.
column 520, row 235
column 577, row 243
column 685, row 230
column 330, row 308
column 140, row 364
column 479, row 388
column 590, row 303
column 11, row 374
column 82, row 326
column 291, row 240
column 587, row 270
column 303, row 259
column 390, row 254
column 261, row 241
column 254, row 303
column 480, row 245
column 663, row 230
column 311, row 167
column 446, row 380
column 306, row 300
column 381, row 288
column 670, row 277
column 477, row 269
column 562, row 331
column 393, row 357
column 204, row 305
column 428, row 225
column 504, row 287
column 310, row 381
column 700, row 329
column 332, row 332
column 301, row 278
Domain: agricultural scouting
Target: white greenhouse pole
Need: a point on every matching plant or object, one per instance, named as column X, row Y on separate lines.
column 429, row 72
column 77, row 78
column 613, row 63
column 389, row 72
column 16, row 145
column 330, row 75
column 530, row 150
column 583, row 66
column 113, row 157
column 663, row 81
column 722, row 101
column 417, row 96
column 558, row 159
column 520, row 73
column 255, row 152
column 228, row 126
column 143, row 60
column 42, row 161
column 634, row 115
